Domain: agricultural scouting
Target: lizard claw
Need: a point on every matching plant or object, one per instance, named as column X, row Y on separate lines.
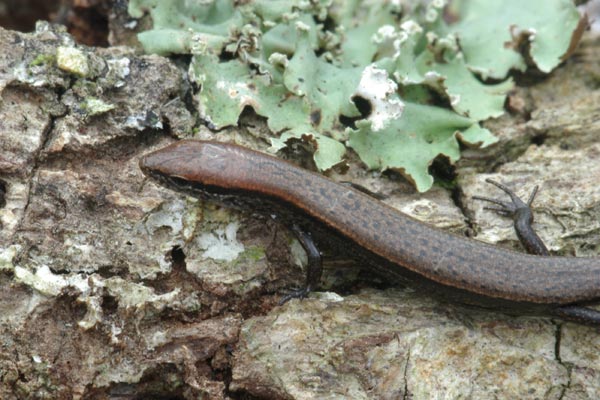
column 507, row 208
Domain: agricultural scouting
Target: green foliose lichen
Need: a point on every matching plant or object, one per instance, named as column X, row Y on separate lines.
column 309, row 67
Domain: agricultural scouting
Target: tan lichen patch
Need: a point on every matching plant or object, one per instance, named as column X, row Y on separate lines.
column 73, row 60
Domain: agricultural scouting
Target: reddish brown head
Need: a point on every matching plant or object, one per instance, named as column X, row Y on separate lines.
column 201, row 168
column 191, row 160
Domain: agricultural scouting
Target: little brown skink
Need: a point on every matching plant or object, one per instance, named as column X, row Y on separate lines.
column 394, row 244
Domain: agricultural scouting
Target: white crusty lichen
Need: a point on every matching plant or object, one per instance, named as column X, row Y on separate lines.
column 7, row 255
column 48, row 283
column 129, row 295
column 221, row 244
column 118, row 70
column 376, row 87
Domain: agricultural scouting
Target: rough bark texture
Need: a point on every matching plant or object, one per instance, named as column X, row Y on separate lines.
column 115, row 288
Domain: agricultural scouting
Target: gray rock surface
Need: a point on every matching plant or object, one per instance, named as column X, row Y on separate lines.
column 112, row 286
